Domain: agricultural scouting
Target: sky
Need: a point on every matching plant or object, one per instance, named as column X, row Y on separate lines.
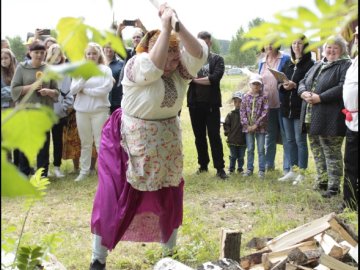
column 222, row 19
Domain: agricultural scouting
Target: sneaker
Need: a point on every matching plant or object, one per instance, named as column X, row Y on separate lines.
column 58, row 173
column 261, row 174
column 80, row 177
column 298, row 179
column 96, row 265
column 201, row 170
column 247, row 173
column 92, row 172
column 230, row 171
column 221, row 174
column 240, row 170
column 288, row 177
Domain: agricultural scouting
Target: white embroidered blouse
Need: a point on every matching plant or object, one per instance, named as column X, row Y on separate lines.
column 148, row 95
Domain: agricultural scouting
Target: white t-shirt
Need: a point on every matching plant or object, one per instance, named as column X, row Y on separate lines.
column 148, row 95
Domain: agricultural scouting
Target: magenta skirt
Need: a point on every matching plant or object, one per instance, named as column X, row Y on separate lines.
column 122, row 213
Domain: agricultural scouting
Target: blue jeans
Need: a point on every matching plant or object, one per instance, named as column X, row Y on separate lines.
column 297, row 143
column 250, row 143
column 237, row 152
column 274, row 124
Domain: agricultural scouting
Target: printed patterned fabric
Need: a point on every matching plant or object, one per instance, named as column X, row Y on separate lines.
column 71, row 140
column 155, row 152
column 254, row 110
column 170, row 92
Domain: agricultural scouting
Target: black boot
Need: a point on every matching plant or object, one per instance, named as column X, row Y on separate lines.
column 96, row 265
column 221, row 174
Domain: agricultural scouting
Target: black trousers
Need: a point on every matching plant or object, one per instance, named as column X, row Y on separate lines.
column 57, row 138
column 114, row 108
column 206, row 121
column 42, row 159
column 351, row 175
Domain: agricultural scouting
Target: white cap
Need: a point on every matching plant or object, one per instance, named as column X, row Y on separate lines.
column 255, row 78
column 237, row 95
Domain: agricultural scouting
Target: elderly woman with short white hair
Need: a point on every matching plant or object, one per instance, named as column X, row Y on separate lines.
column 321, row 117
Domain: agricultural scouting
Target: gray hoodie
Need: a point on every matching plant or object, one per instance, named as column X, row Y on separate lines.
column 65, row 100
column 25, row 74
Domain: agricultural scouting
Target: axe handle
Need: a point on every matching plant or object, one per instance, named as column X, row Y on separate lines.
column 175, row 23
column 174, row 20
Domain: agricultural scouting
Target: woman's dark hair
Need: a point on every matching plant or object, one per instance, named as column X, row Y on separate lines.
column 204, row 35
column 37, row 46
column 306, row 44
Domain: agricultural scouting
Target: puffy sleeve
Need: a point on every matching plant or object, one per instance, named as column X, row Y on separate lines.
column 191, row 64
column 140, row 70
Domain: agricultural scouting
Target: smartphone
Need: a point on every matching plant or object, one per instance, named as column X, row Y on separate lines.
column 129, row 22
column 44, row 32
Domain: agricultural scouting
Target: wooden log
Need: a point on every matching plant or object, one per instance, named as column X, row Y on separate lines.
column 330, row 246
column 321, row 267
column 333, row 263
column 251, row 260
column 257, row 267
column 296, row 256
column 258, row 242
column 290, row 266
column 230, row 244
column 300, row 233
column 266, row 261
column 353, row 251
column 281, row 254
column 279, row 265
column 335, row 224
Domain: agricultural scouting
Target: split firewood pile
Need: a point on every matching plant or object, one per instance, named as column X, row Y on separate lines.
column 322, row 244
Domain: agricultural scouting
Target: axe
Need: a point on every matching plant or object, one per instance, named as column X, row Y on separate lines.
column 174, row 20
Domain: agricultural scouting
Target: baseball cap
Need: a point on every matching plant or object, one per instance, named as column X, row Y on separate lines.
column 237, row 95
column 255, row 78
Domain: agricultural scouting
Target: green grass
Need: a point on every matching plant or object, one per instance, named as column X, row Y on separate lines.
column 255, row 207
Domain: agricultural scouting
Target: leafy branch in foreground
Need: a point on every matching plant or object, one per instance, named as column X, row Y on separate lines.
column 334, row 19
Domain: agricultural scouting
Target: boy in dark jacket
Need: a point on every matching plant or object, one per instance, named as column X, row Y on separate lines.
column 236, row 139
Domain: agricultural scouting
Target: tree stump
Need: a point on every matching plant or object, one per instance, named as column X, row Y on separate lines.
column 230, row 244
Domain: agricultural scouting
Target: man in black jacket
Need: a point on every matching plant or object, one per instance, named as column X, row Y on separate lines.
column 204, row 102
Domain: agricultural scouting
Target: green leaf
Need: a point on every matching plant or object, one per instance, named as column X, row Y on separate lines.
column 323, row 6
column 85, row 69
column 307, row 15
column 37, row 253
column 38, row 182
column 72, row 35
column 116, row 43
column 14, row 183
column 110, row 3
column 26, row 129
